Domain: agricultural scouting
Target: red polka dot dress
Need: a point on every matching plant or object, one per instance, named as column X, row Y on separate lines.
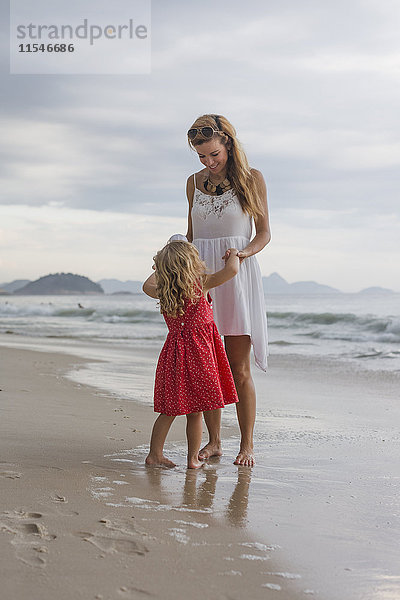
column 193, row 373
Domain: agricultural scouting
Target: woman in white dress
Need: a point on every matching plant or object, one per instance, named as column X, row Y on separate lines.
column 226, row 199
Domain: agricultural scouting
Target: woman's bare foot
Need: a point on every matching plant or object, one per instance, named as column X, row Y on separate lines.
column 159, row 461
column 245, row 458
column 209, row 450
column 195, row 464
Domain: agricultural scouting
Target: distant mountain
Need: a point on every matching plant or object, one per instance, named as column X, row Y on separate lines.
column 61, row 284
column 113, row 286
column 376, row 290
column 14, row 285
column 275, row 284
column 311, row 287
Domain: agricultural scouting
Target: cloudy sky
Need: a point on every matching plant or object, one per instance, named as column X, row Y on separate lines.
column 93, row 167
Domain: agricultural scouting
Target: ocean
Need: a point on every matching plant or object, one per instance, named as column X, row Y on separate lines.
column 363, row 329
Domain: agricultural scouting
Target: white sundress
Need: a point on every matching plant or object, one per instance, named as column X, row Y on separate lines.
column 219, row 223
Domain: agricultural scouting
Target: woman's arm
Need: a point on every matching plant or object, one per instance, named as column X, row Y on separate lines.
column 150, row 287
column 263, row 233
column 231, row 268
column 190, row 194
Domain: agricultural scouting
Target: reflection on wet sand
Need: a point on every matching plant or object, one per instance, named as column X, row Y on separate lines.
column 206, row 513
column 199, row 490
column 202, row 495
column 187, row 517
column 236, row 510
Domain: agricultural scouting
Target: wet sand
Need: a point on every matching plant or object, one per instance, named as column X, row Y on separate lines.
column 78, row 520
column 81, row 516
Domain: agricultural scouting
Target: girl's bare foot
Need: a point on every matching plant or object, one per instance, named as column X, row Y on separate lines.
column 159, row 461
column 195, row 464
column 245, row 458
column 209, row 450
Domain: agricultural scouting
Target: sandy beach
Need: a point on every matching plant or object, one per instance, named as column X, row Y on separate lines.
column 82, row 517
column 59, row 539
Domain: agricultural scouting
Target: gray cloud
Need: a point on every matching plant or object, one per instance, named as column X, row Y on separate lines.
column 311, row 87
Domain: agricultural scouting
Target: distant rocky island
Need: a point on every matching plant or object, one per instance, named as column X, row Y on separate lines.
column 60, row 284
column 275, row 284
column 373, row 291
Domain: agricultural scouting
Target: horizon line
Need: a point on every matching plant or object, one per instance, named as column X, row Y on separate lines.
column 334, row 289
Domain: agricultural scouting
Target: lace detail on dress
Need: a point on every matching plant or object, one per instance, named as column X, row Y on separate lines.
column 208, row 205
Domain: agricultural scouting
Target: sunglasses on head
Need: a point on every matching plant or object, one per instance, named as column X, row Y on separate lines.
column 206, row 132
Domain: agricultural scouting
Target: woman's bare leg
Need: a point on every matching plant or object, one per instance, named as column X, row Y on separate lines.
column 194, row 432
column 158, row 436
column 213, row 422
column 238, row 351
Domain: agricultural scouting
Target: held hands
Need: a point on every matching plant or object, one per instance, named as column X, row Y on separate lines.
column 240, row 254
column 232, row 259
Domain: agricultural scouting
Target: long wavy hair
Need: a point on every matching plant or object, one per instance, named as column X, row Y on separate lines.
column 180, row 274
column 238, row 170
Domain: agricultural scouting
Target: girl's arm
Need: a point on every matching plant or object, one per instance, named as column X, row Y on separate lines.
column 230, row 269
column 190, row 194
column 150, row 287
column 263, row 233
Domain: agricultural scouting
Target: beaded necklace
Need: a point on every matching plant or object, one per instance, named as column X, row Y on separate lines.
column 218, row 189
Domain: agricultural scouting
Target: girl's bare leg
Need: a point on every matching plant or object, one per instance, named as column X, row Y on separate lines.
column 238, row 351
column 213, row 422
column 160, row 431
column 193, row 434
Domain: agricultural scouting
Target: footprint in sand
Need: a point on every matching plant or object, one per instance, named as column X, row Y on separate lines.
column 59, row 498
column 124, row 526
column 10, row 474
column 28, row 535
column 7, row 471
column 128, row 591
column 111, row 541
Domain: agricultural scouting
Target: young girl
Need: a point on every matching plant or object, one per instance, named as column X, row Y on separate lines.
column 193, row 372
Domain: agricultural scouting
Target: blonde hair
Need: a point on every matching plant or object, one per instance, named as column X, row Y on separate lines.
column 238, row 173
column 180, row 274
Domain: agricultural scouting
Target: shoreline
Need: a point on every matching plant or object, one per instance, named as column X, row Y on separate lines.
column 59, row 534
